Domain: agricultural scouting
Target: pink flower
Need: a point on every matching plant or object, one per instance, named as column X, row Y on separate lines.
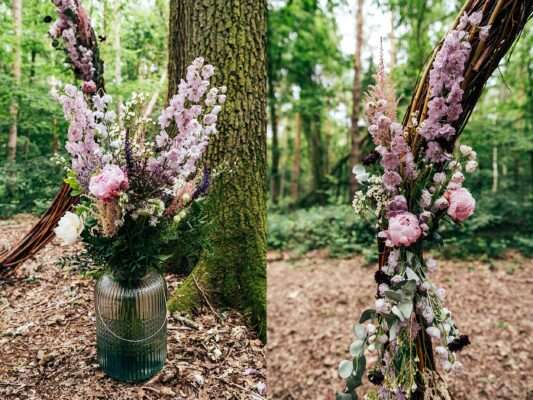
column 88, row 87
column 109, row 183
column 391, row 180
column 462, row 204
column 404, row 229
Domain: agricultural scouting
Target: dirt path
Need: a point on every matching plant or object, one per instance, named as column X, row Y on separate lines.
column 313, row 303
column 47, row 350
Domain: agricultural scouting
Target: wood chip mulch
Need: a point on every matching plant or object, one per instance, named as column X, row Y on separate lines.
column 314, row 301
column 47, row 340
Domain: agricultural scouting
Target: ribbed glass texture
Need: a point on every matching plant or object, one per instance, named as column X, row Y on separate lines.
column 131, row 327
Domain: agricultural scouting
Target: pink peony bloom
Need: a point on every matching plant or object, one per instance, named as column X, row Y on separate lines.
column 462, row 204
column 404, row 229
column 109, row 183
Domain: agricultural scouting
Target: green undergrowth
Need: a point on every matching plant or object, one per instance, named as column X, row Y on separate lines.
column 499, row 224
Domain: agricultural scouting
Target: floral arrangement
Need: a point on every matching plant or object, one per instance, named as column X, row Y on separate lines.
column 417, row 185
column 135, row 176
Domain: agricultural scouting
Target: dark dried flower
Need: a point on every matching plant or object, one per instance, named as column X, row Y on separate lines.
column 376, row 377
column 459, row 344
column 201, row 189
column 371, row 158
column 382, row 277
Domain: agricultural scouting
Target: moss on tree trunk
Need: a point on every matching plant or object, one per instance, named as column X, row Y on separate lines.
column 229, row 34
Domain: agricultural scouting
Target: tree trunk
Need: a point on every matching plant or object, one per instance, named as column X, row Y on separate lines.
column 312, row 128
column 274, row 171
column 296, row 158
column 355, row 150
column 495, row 169
column 392, row 43
column 231, row 36
column 117, row 49
column 17, row 68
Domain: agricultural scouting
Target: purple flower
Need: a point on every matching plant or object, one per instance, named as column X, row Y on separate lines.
column 390, row 161
column 391, row 180
column 435, row 153
column 397, row 205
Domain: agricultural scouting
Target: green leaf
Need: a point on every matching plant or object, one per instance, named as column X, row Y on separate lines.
column 394, row 329
column 403, row 311
column 345, row 396
column 367, row 315
column 394, row 295
column 412, row 275
column 356, row 348
column 345, row 369
column 359, row 331
column 359, row 367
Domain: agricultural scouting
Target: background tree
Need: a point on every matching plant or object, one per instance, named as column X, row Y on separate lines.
column 231, row 36
column 355, row 154
column 17, row 67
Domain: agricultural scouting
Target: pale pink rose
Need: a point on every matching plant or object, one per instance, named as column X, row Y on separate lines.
column 462, row 204
column 88, row 87
column 404, row 229
column 109, row 183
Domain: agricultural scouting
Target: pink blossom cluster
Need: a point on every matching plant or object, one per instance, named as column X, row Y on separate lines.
column 74, row 27
column 81, row 145
column 445, row 78
column 387, row 134
column 194, row 111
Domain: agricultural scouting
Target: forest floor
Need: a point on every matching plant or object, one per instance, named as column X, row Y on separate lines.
column 314, row 301
column 47, row 340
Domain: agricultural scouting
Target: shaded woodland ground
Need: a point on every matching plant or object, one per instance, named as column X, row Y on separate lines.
column 314, row 301
column 47, row 337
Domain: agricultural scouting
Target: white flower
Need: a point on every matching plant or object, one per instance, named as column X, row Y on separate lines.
column 471, row 166
column 382, row 306
column 261, row 388
column 454, row 165
column 360, row 173
column 370, row 328
column 465, row 150
column 447, row 366
column 69, row 228
column 440, row 204
column 432, row 264
column 382, row 288
column 397, row 279
column 433, row 332
column 442, row 352
column 383, row 339
column 428, row 315
column 439, row 177
column 425, row 199
column 458, row 178
column 441, row 292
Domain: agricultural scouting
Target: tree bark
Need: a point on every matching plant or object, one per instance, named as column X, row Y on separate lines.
column 312, row 129
column 355, row 150
column 230, row 35
column 17, row 69
column 274, row 171
column 495, row 169
column 296, row 158
column 117, row 49
column 392, row 43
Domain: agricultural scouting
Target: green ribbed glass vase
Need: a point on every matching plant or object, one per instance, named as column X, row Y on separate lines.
column 131, row 327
